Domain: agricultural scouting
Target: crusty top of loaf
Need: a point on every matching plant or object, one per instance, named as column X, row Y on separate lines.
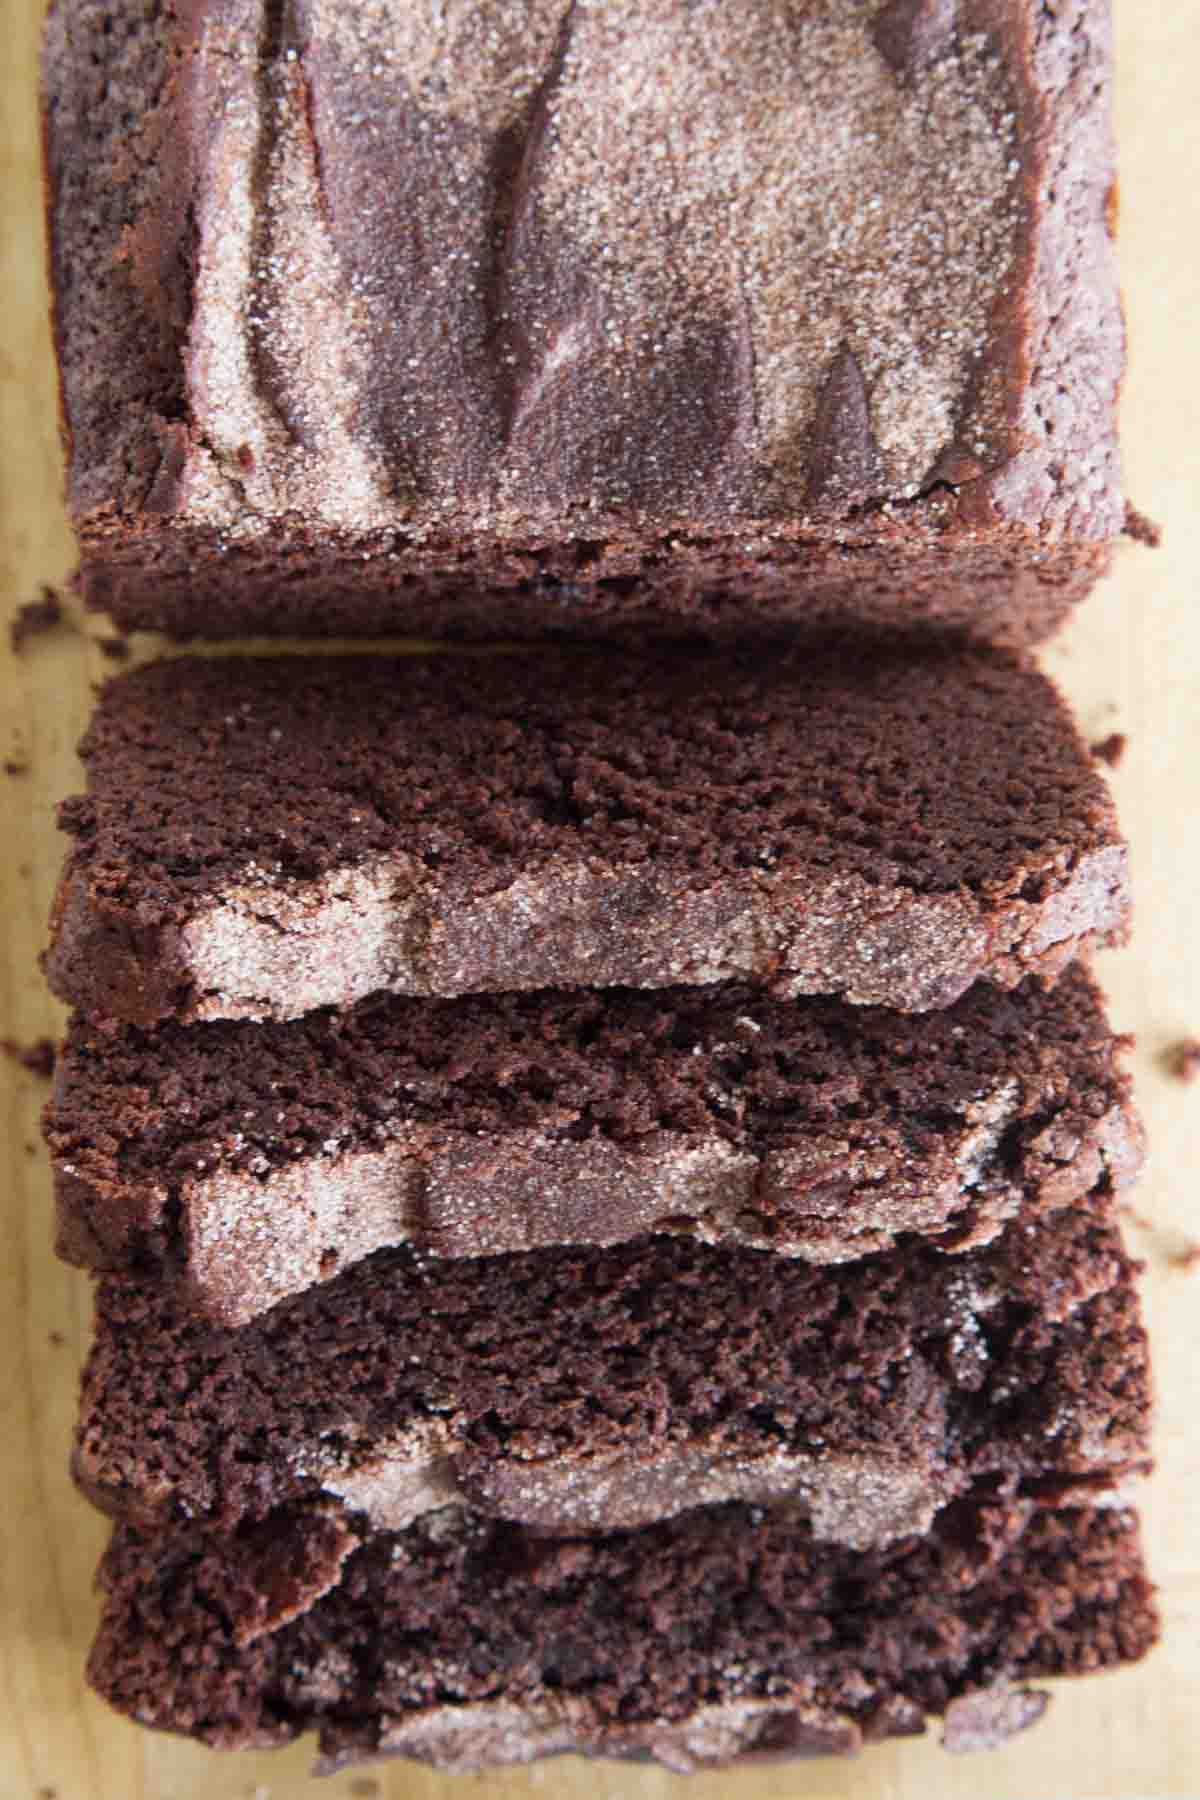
column 559, row 263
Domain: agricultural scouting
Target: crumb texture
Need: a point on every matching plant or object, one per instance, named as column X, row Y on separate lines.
column 249, row 1160
column 618, row 1065
column 1026, row 1357
column 465, row 1644
column 892, row 825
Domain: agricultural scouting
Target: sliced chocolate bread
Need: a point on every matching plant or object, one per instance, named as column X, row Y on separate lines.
column 247, row 1161
column 263, row 837
column 720, row 1635
column 600, row 1389
column 518, row 316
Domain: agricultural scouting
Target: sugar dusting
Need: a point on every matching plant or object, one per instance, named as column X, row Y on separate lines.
column 276, row 357
column 862, row 1500
column 466, row 59
column 765, row 156
column 760, row 165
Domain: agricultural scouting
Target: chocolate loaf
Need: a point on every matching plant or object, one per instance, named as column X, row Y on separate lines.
column 263, row 837
column 542, row 317
column 243, row 1162
column 722, row 1635
column 585, row 1390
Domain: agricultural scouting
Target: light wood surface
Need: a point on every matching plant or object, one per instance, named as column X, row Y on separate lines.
column 1131, row 663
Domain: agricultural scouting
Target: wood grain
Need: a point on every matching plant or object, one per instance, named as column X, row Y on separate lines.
column 1131, row 663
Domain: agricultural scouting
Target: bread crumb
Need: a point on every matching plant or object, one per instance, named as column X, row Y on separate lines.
column 39, row 1057
column 1188, row 1257
column 16, row 765
column 1141, row 529
column 1111, row 749
column 35, row 616
column 1183, row 1059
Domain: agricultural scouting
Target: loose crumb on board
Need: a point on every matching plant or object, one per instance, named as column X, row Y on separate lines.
column 33, row 617
column 1111, row 749
column 1141, row 529
column 16, row 765
column 39, row 1057
column 56, row 1338
column 1182, row 1060
column 1188, row 1256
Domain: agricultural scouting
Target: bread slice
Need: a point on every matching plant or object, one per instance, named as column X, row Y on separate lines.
column 263, row 837
column 245, row 1161
column 599, row 1389
column 723, row 1635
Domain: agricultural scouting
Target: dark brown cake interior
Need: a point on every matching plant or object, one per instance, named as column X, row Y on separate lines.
column 933, row 772
column 1025, row 1357
column 644, row 1628
column 621, row 1065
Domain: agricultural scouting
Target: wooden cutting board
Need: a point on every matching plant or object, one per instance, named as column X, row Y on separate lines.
column 1131, row 663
